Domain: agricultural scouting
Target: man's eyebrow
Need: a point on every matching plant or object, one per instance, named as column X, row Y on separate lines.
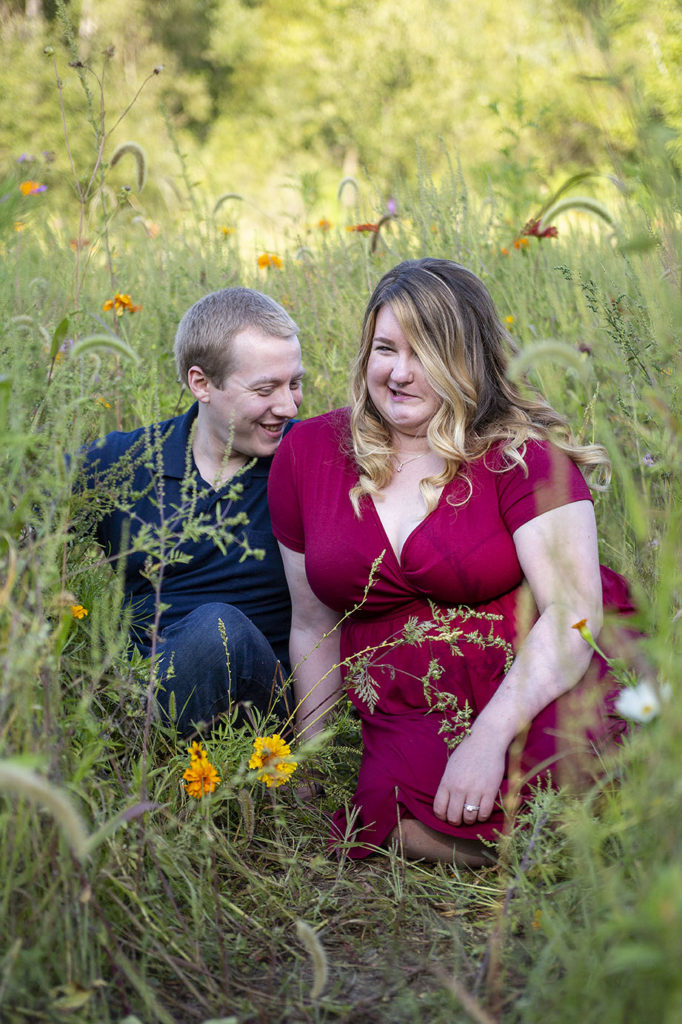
column 264, row 381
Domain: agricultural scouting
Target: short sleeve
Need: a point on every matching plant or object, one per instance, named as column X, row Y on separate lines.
column 284, row 496
column 552, row 480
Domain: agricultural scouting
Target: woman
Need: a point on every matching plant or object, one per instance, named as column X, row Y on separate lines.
column 468, row 492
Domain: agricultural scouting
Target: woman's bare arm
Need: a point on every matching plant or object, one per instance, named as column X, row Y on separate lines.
column 313, row 649
column 558, row 554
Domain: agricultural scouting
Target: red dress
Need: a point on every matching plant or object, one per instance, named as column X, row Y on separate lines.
column 462, row 553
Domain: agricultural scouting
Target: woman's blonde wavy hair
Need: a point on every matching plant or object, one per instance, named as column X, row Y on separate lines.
column 449, row 319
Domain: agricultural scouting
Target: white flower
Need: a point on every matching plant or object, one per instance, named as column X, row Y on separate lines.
column 641, row 703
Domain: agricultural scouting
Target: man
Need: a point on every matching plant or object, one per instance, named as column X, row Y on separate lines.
column 183, row 504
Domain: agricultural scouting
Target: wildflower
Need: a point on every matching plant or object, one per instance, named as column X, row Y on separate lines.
column 103, row 402
column 79, row 243
column 584, row 631
column 649, row 460
column 271, row 757
column 505, row 252
column 640, row 703
column 120, row 303
column 32, row 188
column 584, row 347
column 201, row 777
column 372, row 228
column 267, row 259
column 509, row 320
column 533, row 228
column 19, row 225
column 392, row 206
column 78, row 611
column 521, row 243
column 225, row 230
column 324, row 224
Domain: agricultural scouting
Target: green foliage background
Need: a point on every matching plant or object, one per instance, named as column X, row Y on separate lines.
column 278, row 100
column 121, row 899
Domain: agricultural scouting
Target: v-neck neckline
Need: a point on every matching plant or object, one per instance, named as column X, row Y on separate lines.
column 399, row 556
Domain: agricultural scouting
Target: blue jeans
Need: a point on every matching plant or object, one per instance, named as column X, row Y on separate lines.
column 208, row 674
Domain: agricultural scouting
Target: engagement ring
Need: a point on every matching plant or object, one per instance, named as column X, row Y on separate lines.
column 471, row 807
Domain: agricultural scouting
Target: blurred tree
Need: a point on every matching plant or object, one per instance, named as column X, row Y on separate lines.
column 265, row 92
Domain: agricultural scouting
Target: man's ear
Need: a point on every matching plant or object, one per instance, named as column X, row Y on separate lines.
column 198, row 382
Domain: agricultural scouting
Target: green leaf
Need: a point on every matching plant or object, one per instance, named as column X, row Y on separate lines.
column 58, row 336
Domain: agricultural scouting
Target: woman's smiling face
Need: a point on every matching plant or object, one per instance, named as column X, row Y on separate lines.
column 396, row 380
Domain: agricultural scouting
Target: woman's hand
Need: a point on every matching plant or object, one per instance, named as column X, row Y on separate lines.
column 471, row 779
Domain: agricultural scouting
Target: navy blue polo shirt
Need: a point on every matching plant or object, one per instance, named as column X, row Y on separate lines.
column 147, row 489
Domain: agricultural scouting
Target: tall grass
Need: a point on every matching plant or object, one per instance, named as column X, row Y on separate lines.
column 122, row 898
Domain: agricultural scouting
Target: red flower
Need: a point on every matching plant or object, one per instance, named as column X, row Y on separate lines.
column 533, row 228
column 364, row 227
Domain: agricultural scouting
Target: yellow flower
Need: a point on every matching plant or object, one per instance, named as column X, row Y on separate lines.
column 103, row 401
column 225, row 231
column 271, row 756
column 509, row 320
column 196, row 751
column 267, row 259
column 324, row 224
column 201, row 777
column 78, row 611
column 120, row 303
column 19, row 225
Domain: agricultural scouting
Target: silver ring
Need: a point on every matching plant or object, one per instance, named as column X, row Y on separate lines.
column 472, row 807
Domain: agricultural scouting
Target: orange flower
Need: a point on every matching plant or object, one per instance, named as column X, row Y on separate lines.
column 585, row 632
column 121, row 304
column 32, row 188
column 373, row 228
column 201, row 777
column 78, row 611
column 324, row 224
column 267, row 259
column 505, row 252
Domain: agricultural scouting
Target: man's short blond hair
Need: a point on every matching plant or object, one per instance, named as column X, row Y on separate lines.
column 206, row 332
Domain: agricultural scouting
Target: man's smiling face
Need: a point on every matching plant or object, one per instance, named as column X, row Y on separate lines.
column 261, row 394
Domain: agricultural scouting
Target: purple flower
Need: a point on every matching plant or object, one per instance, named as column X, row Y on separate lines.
column 392, row 206
column 648, row 459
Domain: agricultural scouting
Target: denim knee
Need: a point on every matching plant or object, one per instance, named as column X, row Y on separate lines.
column 212, row 659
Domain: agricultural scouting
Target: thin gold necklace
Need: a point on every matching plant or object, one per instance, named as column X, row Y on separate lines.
column 405, row 462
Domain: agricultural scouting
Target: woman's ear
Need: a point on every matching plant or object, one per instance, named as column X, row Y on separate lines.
column 198, row 383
